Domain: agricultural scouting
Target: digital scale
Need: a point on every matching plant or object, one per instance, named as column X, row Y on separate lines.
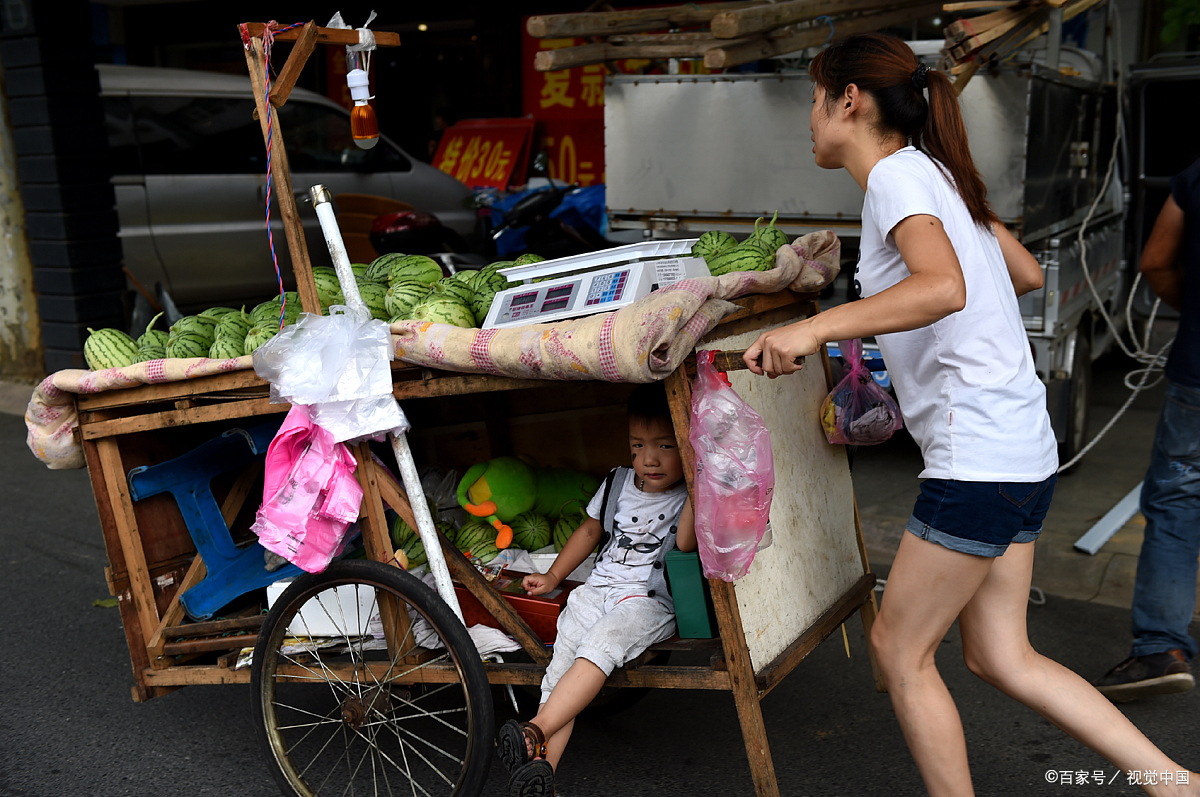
column 611, row 279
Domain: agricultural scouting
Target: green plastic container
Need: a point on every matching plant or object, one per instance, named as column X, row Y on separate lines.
column 695, row 617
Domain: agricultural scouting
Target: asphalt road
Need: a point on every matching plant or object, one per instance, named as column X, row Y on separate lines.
column 69, row 727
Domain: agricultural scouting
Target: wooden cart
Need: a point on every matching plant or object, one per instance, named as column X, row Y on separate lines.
column 807, row 583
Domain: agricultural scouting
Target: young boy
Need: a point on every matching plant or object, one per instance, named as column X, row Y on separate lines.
column 624, row 607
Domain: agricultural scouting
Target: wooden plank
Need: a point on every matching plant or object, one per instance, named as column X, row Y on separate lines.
column 977, row 5
column 174, row 613
column 980, row 37
column 166, row 391
column 1069, row 12
column 757, row 49
column 162, row 420
column 772, row 674
column 210, row 627
column 383, row 38
column 608, row 23
column 285, row 200
column 306, row 42
column 191, row 647
column 378, row 543
column 141, row 588
column 760, row 19
column 598, row 53
column 961, row 29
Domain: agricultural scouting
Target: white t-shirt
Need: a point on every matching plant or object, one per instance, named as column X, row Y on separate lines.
column 967, row 386
column 641, row 525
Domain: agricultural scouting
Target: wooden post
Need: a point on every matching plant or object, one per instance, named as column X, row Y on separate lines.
column 378, row 543
column 281, row 176
column 305, row 44
column 729, row 621
column 759, row 19
column 607, row 23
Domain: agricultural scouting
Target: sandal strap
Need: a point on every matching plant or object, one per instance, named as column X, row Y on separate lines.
column 537, row 739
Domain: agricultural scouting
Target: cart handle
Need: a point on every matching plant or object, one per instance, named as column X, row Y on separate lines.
column 727, row 361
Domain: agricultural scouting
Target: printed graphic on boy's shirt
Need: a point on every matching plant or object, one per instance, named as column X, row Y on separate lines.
column 625, row 543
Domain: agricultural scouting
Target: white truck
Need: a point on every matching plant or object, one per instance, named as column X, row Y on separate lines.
column 689, row 153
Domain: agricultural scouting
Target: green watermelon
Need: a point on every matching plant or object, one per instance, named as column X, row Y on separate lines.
column 564, row 528
column 374, row 296
column 456, row 288
column 199, row 326
column 381, row 267
column 359, row 270
column 713, row 243
column 749, row 255
column 151, row 351
column 771, row 237
column 473, row 534
column 530, row 531
column 226, row 349
column 217, row 312
column 418, row 267
column 527, row 258
column 234, row 326
column 414, row 549
column 188, row 344
column 329, row 290
column 152, row 336
column 499, row 264
column 485, row 552
column 401, row 532
column 444, row 309
column 403, row 294
column 257, row 336
column 109, row 348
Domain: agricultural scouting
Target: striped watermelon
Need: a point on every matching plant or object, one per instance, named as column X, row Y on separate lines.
column 771, row 237
column 527, row 258
column 226, row 349
column 403, row 295
column 151, row 351
column 474, row 534
column 234, row 326
column 199, row 325
column 359, row 270
column 564, row 528
column 485, row 552
column 188, row 344
column 329, row 290
column 450, row 286
column 414, row 549
column 381, row 267
column 374, row 296
column 217, row 312
column 152, row 336
column 419, row 267
column 444, row 309
column 109, row 348
column 257, row 336
column 713, row 243
column 530, row 531
column 746, row 256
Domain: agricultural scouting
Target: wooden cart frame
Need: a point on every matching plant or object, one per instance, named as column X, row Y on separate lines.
column 152, row 559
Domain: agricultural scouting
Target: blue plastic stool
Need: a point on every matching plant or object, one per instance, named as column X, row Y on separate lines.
column 232, row 571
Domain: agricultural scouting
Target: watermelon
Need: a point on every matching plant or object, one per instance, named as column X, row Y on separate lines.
column 257, row 336
column 530, row 531
column 499, row 264
column 414, row 549
column 401, row 532
column 188, row 344
column 485, row 552
column 151, row 352
column 444, row 309
column 359, row 270
column 403, row 294
column 564, row 528
column 109, row 348
column 374, row 296
column 227, row 349
column 200, row 326
column 473, row 534
column 234, row 326
column 381, row 267
column 456, row 288
column 746, row 256
column 269, row 310
column 771, row 237
column 418, row 267
column 527, row 258
column 152, row 336
column 465, row 274
column 217, row 312
column 329, row 290
column 713, row 243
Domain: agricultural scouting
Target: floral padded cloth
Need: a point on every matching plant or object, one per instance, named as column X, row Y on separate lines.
column 643, row 342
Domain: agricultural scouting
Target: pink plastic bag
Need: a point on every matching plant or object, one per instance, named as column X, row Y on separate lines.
column 735, row 473
column 858, row 411
column 310, row 495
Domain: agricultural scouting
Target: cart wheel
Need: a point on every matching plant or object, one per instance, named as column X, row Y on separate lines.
column 1079, row 399
column 352, row 719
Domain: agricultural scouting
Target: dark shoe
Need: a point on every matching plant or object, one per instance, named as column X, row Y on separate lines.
column 1141, row 676
column 533, row 779
column 514, row 741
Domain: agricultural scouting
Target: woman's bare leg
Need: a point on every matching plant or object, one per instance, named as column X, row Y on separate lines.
column 996, row 648
column 927, row 587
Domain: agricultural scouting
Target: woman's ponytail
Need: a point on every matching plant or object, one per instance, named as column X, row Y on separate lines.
column 944, row 137
column 886, row 68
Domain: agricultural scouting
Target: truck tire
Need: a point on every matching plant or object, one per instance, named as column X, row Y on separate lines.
column 1079, row 402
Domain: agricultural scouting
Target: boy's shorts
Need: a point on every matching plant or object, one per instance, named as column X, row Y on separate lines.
column 981, row 518
column 608, row 626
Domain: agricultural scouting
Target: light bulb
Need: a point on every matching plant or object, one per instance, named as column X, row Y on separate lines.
column 364, row 128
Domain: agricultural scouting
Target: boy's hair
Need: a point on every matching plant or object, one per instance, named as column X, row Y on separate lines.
column 648, row 402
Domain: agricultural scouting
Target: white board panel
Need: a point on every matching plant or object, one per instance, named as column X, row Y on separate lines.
column 814, row 558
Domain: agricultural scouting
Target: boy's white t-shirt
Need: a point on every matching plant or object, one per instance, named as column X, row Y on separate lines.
column 641, row 525
column 967, row 386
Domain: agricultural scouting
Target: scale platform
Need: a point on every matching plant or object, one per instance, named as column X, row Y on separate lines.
column 595, row 282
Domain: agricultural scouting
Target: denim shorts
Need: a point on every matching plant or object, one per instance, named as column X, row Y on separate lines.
column 980, row 518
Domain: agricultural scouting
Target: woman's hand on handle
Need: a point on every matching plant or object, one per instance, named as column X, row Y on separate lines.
column 779, row 351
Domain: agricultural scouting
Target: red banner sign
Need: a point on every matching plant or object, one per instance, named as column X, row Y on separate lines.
column 485, row 152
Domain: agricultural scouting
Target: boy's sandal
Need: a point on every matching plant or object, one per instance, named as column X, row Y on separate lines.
column 533, row 779
column 511, row 747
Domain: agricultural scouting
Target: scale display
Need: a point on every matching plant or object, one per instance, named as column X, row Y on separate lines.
column 567, row 297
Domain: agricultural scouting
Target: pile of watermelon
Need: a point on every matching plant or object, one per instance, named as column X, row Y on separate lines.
column 723, row 254
column 416, row 290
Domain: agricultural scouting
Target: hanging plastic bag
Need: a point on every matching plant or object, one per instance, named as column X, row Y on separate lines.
column 310, row 495
column 858, row 411
column 735, row 473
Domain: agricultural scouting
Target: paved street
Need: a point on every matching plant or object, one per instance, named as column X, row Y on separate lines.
column 69, row 726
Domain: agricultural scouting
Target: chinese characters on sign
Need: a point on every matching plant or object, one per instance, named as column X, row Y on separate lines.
column 484, row 152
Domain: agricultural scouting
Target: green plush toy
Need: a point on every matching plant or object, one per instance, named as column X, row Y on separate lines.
column 499, row 490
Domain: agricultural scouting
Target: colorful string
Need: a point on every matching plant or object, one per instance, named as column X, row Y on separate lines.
column 268, row 39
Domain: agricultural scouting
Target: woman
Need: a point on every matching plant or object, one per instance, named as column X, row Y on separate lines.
column 940, row 277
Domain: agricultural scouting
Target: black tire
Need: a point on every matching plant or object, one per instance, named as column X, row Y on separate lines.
column 1079, row 399
column 349, row 720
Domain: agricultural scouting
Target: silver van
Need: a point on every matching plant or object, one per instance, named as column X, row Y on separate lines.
column 191, row 177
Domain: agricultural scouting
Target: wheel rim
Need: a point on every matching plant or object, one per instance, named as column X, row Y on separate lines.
column 349, row 719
